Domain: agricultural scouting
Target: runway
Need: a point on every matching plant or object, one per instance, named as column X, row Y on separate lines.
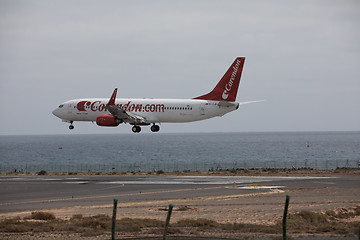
column 28, row 193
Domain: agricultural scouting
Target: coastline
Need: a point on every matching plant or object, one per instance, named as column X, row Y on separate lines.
column 227, row 172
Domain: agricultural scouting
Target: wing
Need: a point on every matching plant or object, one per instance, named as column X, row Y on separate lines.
column 122, row 114
column 125, row 116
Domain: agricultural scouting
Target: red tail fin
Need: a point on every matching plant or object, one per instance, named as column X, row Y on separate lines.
column 227, row 88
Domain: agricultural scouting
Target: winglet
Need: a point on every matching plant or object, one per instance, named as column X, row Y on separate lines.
column 112, row 99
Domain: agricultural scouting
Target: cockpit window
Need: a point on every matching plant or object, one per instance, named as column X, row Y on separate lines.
column 61, row 106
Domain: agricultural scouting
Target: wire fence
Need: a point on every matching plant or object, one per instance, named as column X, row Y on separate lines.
column 177, row 166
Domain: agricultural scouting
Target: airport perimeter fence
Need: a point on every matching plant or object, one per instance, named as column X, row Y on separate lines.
column 176, row 166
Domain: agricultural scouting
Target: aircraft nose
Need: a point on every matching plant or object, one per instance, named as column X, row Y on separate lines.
column 57, row 112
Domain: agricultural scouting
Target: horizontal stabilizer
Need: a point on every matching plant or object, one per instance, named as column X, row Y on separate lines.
column 227, row 104
column 243, row 103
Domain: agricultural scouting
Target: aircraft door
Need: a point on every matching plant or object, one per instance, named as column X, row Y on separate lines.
column 70, row 108
column 202, row 108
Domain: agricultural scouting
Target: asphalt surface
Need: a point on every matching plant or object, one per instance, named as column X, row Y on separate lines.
column 22, row 193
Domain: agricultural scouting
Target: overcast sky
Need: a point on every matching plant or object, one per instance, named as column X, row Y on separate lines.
column 303, row 57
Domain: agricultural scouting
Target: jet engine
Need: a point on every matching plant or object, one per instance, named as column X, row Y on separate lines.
column 107, row 121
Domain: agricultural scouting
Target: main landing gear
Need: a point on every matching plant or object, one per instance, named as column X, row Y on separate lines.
column 155, row 128
column 71, row 127
column 136, row 129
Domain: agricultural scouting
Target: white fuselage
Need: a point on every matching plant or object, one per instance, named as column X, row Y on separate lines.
column 153, row 110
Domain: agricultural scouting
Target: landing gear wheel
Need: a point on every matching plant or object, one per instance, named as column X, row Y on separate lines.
column 71, row 127
column 136, row 129
column 155, row 128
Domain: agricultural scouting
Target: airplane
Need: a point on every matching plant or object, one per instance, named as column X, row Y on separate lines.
column 142, row 112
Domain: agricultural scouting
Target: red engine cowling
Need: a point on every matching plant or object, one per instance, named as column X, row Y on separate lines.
column 107, row 121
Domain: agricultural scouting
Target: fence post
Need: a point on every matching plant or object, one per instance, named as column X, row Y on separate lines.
column 284, row 217
column 167, row 221
column 114, row 220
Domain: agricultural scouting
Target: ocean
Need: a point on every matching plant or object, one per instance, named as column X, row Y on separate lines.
column 179, row 151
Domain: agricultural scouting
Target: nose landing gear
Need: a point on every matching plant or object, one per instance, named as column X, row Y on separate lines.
column 71, row 127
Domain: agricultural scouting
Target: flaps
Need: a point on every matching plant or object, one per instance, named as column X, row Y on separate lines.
column 125, row 116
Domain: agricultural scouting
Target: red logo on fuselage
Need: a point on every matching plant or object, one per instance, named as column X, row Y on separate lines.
column 129, row 106
column 81, row 105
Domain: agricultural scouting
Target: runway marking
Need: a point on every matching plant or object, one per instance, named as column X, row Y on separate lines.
column 260, row 187
column 77, row 182
column 326, row 182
